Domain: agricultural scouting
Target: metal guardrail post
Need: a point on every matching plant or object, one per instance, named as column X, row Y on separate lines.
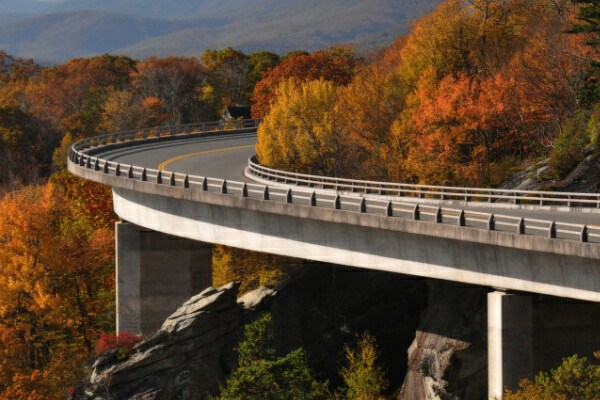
column 521, row 226
column 552, row 230
column 337, row 203
column 144, row 176
column 205, row 184
column 186, row 181
column 130, row 172
column 118, row 170
column 583, row 235
column 289, row 196
column 389, row 209
column 491, row 223
column 438, row 215
column 363, row 205
column 461, row 218
column 172, row 179
column 266, row 193
column 313, row 199
column 224, row 186
column 416, row 214
column 159, row 177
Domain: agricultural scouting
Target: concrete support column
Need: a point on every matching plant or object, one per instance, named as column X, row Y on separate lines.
column 510, row 341
column 155, row 274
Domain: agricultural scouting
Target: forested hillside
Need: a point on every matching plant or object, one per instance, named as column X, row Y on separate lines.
column 162, row 28
column 66, row 35
column 57, row 248
column 475, row 91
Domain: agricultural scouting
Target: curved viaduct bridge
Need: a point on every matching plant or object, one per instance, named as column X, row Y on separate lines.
column 182, row 189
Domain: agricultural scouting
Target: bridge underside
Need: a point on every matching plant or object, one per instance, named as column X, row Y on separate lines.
column 363, row 246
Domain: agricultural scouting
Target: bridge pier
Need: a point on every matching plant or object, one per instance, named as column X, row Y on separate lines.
column 155, row 274
column 510, row 341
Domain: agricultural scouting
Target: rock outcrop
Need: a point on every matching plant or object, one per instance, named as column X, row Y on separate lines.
column 448, row 357
column 185, row 359
column 321, row 309
column 584, row 178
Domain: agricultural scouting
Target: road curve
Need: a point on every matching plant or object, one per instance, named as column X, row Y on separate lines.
column 222, row 157
column 226, row 157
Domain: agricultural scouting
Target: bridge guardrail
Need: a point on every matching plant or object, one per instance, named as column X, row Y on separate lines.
column 339, row 201
column 425, row 191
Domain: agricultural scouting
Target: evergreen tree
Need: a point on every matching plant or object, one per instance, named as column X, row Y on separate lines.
column 262, row 375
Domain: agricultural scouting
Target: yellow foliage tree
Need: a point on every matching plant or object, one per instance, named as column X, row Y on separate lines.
column 250, row 268
column 302, row 132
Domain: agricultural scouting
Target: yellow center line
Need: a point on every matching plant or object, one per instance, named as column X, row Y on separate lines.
column 161, row 166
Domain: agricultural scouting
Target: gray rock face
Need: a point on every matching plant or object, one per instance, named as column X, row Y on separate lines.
column 448, row 357
column 185, row 359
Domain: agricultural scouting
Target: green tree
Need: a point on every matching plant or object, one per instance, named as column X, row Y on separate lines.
column 588, row 23
column 262, row 375
column 363, row 378
column 574, row 379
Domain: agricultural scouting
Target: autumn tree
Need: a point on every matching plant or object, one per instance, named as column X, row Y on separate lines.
column 13, row 69
column 24, row 150
column 55, row 287
column 334, row 65
column 125, row 110
column 367, row 108
column 69, row 97
column 250, row 268
column 302, row 131
column 173, row 81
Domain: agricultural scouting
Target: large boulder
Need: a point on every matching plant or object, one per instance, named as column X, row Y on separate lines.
column 186, row 359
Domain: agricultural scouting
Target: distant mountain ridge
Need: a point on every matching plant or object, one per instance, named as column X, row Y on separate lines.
column 140, row 28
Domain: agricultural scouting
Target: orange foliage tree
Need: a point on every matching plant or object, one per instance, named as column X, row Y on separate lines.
column 56, row 285
column 68, row 97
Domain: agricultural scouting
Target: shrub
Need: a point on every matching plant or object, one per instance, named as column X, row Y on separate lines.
column 124, row 342
column 569, row 147
column 575, row 378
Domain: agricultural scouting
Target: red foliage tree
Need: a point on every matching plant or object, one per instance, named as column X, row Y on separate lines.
column 335, row 65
